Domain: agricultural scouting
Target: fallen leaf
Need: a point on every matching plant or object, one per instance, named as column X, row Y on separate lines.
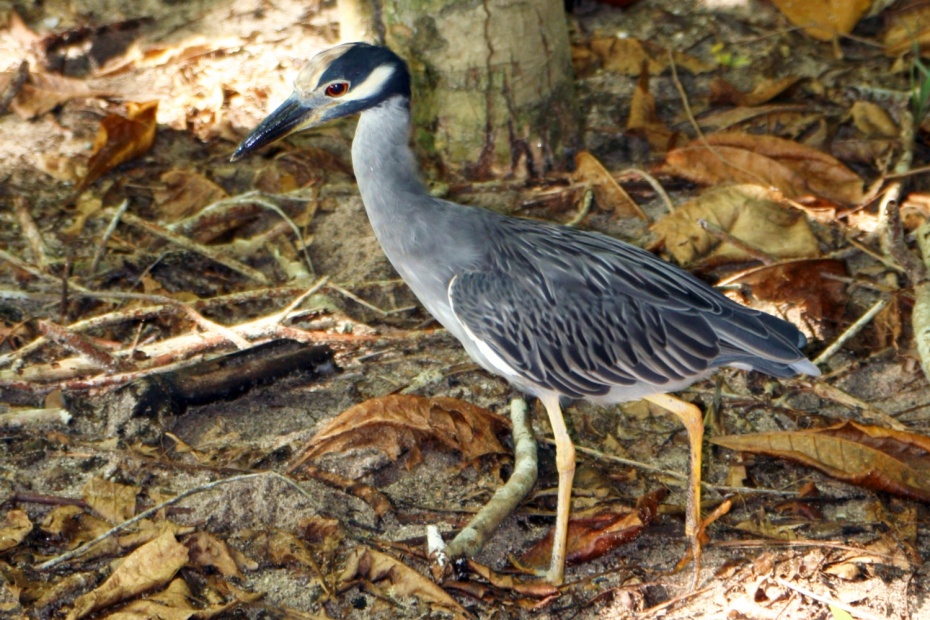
column 588, row 538
column 794, row 168
column 283, row 548
column 876, row 458
column 76, row 527
column 627, row 56
column 44, row 92
column 393, row 579
column 791, row 119
column 173, row 603
column 393, row 424
column 824, row 19
column 14, row 529
column 184, row 193
column 906, row 26
column 609, row 193
column 873, row 120
column 146, row 568
column 112, row 501
column 206, row 550
column 120, row 139
column 803, row 285
column 749, row 214
column 724, row 93
column 645, row 122
column 529, row 587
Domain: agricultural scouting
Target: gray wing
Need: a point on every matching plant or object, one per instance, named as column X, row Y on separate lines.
column 581, row 313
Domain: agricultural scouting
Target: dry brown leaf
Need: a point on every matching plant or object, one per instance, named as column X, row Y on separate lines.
column 148, row 530
column 724, row 93
column 14, row 529
column 388, row 574
column 75, row 526
column 503, row 581
column 184, row 193
column 206, row 550
column 748, row 213
column 645, row 122
column 393, row 424
column 120, row 139
column 145, row 569
column 873, row 120
column 795, row 169
column 112, row 501
column 609, row 193
column 787, row 121
column 626, row 56
column 592, row 536
column 283, row 548
column 824, row 19
column 877, row 458
column 805, row 284
column 906, row 27
column 46, row 91
column 172, row 603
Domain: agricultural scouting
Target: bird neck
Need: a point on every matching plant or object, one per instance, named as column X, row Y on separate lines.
column 385, row 168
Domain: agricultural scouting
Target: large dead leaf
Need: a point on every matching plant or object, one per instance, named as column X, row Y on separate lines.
column 645, row 122
column 112, row 501
column 393, row 424
column 724, row 93
column 184, row 193
column 627, row 56
column 120, row 139
column 609, row 193
column 206, row 550
column 592, row 536
column 46, row 91
column 814, row 287
column 148, row 567
column 14, row 529
column 173, row 603
column 824, row 19
column 906, row 26
column 75, row 527
column 877, row 458
column 795, row 169
column 394, row 579
column 746, row 212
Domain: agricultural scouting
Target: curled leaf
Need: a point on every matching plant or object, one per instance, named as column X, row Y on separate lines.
column 393, row 424
column 877, row 458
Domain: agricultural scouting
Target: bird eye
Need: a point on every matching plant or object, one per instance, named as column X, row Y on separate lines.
column 337, row 89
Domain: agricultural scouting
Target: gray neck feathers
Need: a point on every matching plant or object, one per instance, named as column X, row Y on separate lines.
column 387, row 173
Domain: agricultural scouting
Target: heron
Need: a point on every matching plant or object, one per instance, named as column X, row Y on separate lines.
column 562, row 314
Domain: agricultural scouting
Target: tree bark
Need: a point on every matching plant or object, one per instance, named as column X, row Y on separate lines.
column 492, row 83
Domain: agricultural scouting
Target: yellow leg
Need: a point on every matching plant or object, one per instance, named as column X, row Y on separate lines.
column 691, row 417
column 565, row 464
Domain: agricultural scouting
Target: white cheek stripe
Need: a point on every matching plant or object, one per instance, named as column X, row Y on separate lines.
column 370, row 86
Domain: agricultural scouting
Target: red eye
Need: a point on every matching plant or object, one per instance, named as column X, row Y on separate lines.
column 337, row 89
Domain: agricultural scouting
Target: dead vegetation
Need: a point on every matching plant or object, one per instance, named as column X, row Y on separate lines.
column 219, row 400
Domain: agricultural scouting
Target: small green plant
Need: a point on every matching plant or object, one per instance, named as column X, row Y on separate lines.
column 920, row 87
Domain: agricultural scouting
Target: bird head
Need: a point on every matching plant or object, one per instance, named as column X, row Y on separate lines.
column 337, row 82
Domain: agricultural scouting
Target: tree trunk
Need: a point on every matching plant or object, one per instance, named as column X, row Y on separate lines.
column 492, row 82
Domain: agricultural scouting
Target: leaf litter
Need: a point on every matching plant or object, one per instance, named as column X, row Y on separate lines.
column 794, row 143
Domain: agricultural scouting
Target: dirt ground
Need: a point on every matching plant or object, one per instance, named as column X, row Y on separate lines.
column 795, row 542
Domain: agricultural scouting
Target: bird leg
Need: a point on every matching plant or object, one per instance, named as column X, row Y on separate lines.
column 565, row 464
column 691, row 417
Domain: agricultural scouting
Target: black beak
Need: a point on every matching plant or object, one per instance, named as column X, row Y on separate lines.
column 280, row 123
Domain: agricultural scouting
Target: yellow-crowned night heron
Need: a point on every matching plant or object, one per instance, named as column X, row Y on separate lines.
column 558, row 312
